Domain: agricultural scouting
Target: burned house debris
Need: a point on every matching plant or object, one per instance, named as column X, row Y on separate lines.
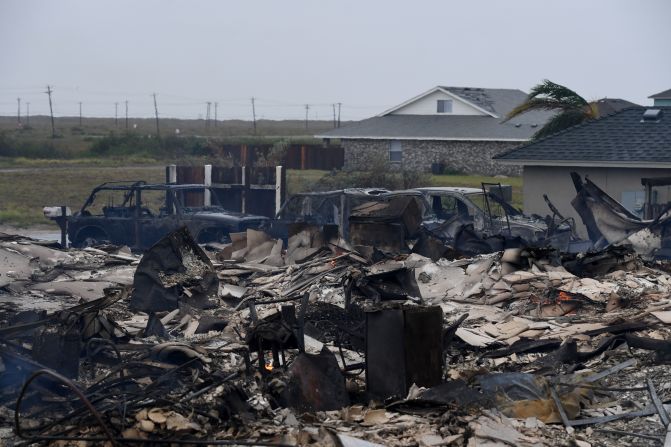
column 610, row 223
column 350, row 321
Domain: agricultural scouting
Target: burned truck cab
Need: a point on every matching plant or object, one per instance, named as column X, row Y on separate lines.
column 490, row 217
column 138, row 214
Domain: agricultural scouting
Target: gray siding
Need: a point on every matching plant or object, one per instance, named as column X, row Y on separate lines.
column 555, row 181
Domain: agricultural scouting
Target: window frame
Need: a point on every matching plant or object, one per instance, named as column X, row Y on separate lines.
column 444, row 102
column 395, row 149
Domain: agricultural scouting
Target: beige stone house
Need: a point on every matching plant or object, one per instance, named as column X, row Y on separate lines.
column 617, row 152
column 456, row 128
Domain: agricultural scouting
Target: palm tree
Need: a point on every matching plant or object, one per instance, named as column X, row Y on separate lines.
column 572, row 108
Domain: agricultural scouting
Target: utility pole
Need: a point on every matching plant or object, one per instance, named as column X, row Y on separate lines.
column 28, row 114
column 80, row 114
column 307, row 109
column 126, row 115
column 18, row 114
column 51, row 112
column 116, row 114
column 207, row 115
column 254, row 114
column 158, row 133
column 339, row 104
column 216, row 105
column 334, row 116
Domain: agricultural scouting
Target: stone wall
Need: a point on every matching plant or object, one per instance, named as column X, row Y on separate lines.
column 470, row 157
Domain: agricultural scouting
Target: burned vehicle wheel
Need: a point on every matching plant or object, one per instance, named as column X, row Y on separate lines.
column 88, row 237
column 213, row 235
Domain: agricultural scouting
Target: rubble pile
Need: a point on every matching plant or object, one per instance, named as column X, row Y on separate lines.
column 314, row 342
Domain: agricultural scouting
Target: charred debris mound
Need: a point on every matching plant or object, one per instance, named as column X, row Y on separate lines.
column 319, row 343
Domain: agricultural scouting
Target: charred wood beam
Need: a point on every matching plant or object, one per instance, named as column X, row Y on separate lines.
column 657, row 402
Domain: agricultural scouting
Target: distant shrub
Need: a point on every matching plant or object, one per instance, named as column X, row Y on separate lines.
column 381, row 175
column 128, row 144
column 115, row 145
column 275, row 155
column 11, row 147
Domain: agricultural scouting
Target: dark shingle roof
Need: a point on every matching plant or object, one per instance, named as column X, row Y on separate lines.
column 456, row 127
column 621, row 138
column 608, row 106
column 666, row 94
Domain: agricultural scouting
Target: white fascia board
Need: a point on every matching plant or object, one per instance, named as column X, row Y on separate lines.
column 411, row 100
column 586, row 164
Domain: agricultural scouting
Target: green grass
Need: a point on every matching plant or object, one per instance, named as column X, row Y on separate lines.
column 22, row 162
column 25, row 192
column 26, row 186
column 17, row 216
column 301, row 181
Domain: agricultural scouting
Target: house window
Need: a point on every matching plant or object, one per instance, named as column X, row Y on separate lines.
column 395, row 151
column 444, row 106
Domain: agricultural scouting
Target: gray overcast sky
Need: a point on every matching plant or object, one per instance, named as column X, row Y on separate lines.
column 369, row 55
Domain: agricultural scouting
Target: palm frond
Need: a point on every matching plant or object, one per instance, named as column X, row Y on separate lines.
column 558, row 92
column 549, row 96
column 538, row 104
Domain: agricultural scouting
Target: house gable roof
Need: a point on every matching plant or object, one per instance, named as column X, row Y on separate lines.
column 621, row 139
column 493, row 103
column 446, row 90
column 666, row 94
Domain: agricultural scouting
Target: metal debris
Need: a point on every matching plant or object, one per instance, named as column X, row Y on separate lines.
column 325, row 343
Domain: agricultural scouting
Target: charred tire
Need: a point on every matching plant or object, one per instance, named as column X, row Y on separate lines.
column 213, row 235
column 90, row 236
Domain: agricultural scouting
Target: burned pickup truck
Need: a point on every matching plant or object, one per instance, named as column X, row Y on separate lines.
column 432, row 221
column 138, row 214
column 329, row 210
column 370, row 217
column 479, row 220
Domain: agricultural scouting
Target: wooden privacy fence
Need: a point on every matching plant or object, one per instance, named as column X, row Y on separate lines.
column 303, row 156
column 260, row 191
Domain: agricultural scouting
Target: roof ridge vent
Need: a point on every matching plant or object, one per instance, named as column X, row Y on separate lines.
column 651, row 116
